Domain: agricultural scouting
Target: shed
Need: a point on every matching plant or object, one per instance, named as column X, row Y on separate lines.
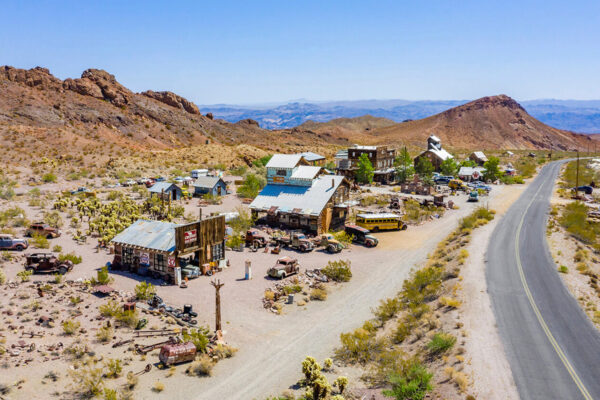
column 478, row 157
column 313, row 158
column 471, row 173
column 210, row 184
column 168, row 189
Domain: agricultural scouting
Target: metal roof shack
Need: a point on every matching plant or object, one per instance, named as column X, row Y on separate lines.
column 309, row 200
column 479, row 157
column 169, row 189
column 145, row 234
column 306, row 172
column 284, row 161
column 312, row 157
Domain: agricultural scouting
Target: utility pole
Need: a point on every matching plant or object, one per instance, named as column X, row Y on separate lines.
column 218, row 285
column 577, row 178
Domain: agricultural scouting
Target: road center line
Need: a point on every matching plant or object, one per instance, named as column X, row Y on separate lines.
column 537, row 312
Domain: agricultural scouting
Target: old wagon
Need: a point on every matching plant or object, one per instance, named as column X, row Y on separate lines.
column 178, row 353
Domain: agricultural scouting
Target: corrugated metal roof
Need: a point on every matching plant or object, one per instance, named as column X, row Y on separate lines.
column 305, row 172
column 480, row 155
column 309, row 199
column 158, row 187
column 284, row 161
column 468, row 171
column 206, row 181
column 155, row 235
column 310, row 156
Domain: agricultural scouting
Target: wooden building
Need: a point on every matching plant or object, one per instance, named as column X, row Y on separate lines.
column 434, row 153
column 300, row 196
column 155, row 248
column 478, row 157
column 381, row 157
column 166, row 189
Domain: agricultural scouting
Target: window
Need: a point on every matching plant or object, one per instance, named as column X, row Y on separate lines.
column 218, row 252
column 281, row 172
column 160, row 262
column 127, row 256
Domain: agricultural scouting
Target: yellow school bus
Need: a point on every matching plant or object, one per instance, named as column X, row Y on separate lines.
column 380, row 222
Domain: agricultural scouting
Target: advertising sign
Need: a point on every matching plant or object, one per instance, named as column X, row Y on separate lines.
column 144, row 258
column 171, row 262
column 190, row 236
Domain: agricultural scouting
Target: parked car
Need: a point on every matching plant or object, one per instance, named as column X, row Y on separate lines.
column 256, row 238
column 8, row 242
column 442, row 180
column 361, row 235
column 43, row 229
column 284, row 267
column 473, row 196
column 585, row 189
column 47, row 262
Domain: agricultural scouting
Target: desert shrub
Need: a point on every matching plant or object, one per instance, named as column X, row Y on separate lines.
column 49, row 177
column 563, row 269
column 102, row 277
column 132, row 380
column 344, row 238
column 129, row 318
column 413, row 384
column 105, row 334
column 74, row 300
column 422, row 286
column 57, row 248
column 2, row 277
column 144, row 290
column 269, row 295
column 359, row 346
column 197, row 336
column 338, row 271
column 440, row 343
column 295, row 288
column 235, row 241
column 70, row 327
column 477, row 218
column 158, row 387
column 40, row 241
column 574, row 220
column 109, row 394
column 222, row 351
column 318, row 294
column 75, row 259
column 88, row 381
column 114, row 367
column 450, row 302
column 110, row 309
column 203, row 366
column 53, row 218
column 25, row 276
column 387, row 309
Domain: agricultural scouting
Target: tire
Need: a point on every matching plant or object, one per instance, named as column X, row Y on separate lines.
column 30, row 269
column 48, row 236
column 368, row 243
column 28, row 234
column 19, row 247
column 283, row 276
column 256, row 244
column 62, row 270
column 331, row 249
column 376, row 229
column 303, row 249
column 404, row 227
column 209, row 272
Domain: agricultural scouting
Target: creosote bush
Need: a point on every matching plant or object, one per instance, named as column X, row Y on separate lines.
column 440, row 343
column 203, row 366
column 144, row 290
column 338, row 271
column 70, row 327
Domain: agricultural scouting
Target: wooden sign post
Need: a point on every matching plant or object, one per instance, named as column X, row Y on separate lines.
column 218, row 285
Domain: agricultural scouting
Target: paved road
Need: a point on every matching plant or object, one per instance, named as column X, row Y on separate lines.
column 552, row 347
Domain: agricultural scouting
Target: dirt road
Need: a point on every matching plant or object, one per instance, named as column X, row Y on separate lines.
column 269, row 359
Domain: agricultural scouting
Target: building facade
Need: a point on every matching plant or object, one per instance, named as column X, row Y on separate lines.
column 381, row 157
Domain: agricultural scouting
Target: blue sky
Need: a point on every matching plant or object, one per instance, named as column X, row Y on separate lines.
column 268, row 51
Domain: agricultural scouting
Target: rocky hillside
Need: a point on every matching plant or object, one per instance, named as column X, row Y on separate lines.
column 496, row 122
column 96, row 116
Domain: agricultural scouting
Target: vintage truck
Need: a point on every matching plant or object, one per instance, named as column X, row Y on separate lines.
column 284, row 267
column 255, row 238
column 297, row 241
column 8, row 242
column 48, row 263
column 331, row 244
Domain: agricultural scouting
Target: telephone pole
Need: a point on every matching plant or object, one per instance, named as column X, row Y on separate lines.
column 217, row 285
column 577, row 178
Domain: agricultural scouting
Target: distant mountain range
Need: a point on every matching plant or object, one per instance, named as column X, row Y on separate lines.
column 573, row 115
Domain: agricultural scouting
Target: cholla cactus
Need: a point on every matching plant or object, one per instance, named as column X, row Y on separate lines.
column 311, row 369
column 341, row 383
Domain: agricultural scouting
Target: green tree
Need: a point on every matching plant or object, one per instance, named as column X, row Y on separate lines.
column 449, row 167
column 467, row 163
column 404, row 167
column 251, row 186
column 492, row 171
column 365, row 169
column 424, row 167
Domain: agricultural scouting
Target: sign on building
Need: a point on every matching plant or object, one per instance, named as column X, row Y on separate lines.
column 191, row 236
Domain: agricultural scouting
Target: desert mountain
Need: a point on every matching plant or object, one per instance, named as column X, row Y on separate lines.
column 496, row 122
column 95, row 115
